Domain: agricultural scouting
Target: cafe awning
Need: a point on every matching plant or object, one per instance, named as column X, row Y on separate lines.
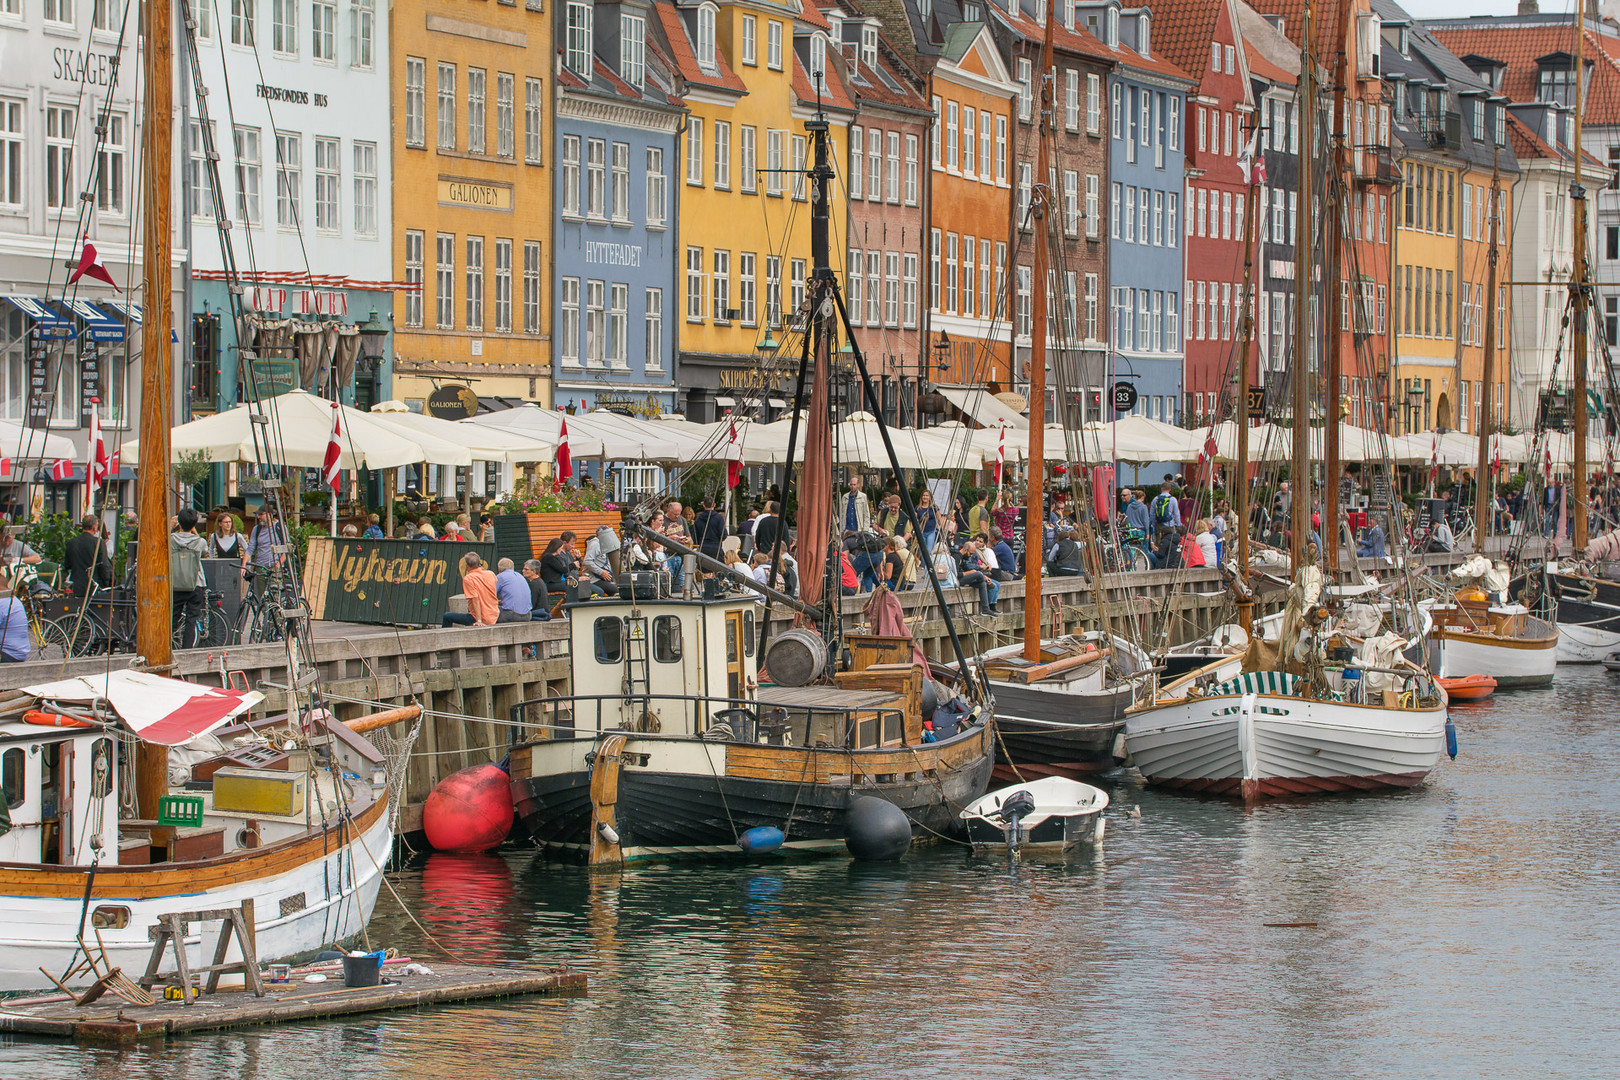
column 47, row 317
column 982, row 406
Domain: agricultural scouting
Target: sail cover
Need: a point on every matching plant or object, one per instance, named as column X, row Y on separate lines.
column 156, row 709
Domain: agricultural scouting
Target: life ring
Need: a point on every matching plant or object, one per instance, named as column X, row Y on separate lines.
column 41, row 718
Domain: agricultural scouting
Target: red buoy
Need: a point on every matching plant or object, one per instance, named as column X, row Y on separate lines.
column 470, row 810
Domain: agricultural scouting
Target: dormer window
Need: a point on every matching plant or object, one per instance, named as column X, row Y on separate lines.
column 1556, row 82
column 1068, row 15
column 1369, row 43
column 818, row 59
column 971, row 12
column 633, row 50
column 1403, row 41
column 1143, row 43
column 835, row 25
column 869, row 42
column 578, row 44
column 705, row 36
column 1111, row 32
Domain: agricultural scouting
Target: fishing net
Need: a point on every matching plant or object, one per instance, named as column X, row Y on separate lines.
column 396, row 752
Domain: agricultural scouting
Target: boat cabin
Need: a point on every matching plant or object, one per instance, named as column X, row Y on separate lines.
column 60, row 786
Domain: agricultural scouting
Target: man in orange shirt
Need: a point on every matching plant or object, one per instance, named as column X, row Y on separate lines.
column 478, row 585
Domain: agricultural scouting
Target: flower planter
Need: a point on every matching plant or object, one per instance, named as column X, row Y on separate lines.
column 524, row 536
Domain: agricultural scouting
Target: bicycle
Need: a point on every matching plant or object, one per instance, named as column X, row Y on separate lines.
column 210, row 629
column 102, row 625
column 262, row 619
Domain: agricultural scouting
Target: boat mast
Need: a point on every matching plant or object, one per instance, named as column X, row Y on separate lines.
column 1034, row 514
column 1334, row 240
column 153, row 611
column 1305, row 239
column 1577, row 195
column 1240, row 413
column 1483, row 480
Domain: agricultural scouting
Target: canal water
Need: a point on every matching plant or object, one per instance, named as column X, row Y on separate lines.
column 1466, row 929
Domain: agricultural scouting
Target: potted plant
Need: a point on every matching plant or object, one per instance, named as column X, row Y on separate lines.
column 537, row 511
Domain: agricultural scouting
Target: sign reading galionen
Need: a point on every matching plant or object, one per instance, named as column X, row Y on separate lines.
column 475, row 194
column 385, row 581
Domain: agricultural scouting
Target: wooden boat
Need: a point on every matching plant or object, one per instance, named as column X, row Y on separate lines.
column 1063, row 715
column 1504, row 641
column 75, row 874
column 1612, row 662
column 1468, row 687
column 667, row 749
column 1051, row 812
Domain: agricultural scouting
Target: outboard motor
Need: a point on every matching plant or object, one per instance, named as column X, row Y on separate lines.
column 1019, row 805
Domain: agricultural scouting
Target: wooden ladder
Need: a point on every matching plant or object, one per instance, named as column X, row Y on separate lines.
column 171, row 934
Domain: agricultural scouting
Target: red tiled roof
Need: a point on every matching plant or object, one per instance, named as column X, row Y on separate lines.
column 1076, row 42
column 1519, row 46
column 686, row 58
column 1325, row 16
column 812, row 16
column 567, row 78
column 872, row 87
column 1183, row 30
column 833, row 94
column 1528, row 144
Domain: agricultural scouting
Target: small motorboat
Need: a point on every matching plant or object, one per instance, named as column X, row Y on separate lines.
column 1052, row 812
column 1465, row 688
column 1612, row 661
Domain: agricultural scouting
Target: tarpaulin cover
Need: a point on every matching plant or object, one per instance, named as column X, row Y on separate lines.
column 158, row 710
column 884, row 613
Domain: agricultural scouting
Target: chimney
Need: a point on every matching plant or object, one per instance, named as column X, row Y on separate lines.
column 1529, row 7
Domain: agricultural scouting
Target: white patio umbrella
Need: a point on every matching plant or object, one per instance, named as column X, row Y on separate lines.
column 589, row 435
column 299, row 429
column 483, row 443
column 28, row 444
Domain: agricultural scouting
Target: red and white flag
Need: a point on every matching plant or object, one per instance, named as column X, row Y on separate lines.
column 1434, row 459
column 1252, row 161
column 1546, row 466
column 1206, row 456
column 61, row 469
column 90, row 266
column 331, row 470
column 734, row 464
column 1001, row 454
column 96, row 463
column 1496, row 454
column 5, row 466
column 565, row 458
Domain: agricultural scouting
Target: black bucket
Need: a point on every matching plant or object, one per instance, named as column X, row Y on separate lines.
column 363, row 970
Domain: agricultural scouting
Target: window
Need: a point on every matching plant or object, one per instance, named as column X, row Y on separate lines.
column 633, row 50
column 656, row 200
column 750, row 41
column 705, row 36
column 284, row 26
column 874, row 298
column 503, row 286
column 200, row 188
column 1024, row 318
column 1071, row 203
column 12, row 776
column 323, row 31
column 970, row 154
column 577, row 40
column 653, row 321
column 773, row 45
column 505, row 138
column 1158, row 218
column 934, row 241
column 874, row 165
column 413, row 277
column 746, row 310
column 570, row 175
column 289, row 179
column 444, row 281
column 242, row 15
column 1114, row 108
column 984, row 147
column 1001, row 149
column 796, row 269
column 908, row 310
column 619, row 325
column 722, row 154
column 447, row 106
column 595, row 323
column 1092, row 209
column 1171, row 201
column 892, row 172
column 773, row 291
column 532, row 141
column 1130, row 215
column 818, row 59
column 856, row 283
column 748, row 163
column 1071, row 100
column 857, row 163
column 1174, row 133
column 415, row 101
column 61, row 126
column 1093, row 103
column 595, row 178
column 694, row 150
column 694, row 284
column 722, row 286
column 112, row 163
column 1025, row 98
column 620, row 206
column 476, row 125
column 531, row 286
column 911, row 170
column 475, row 283
column 570, row 321
column 891, row 288
column 327, row 178
column 1091, row 307
column 773, row 162
column 667, row 639
column 799, row 168
column 984, row 279
column 952, row 160
column 969, row 246
column 939, row 124
column 362, row 32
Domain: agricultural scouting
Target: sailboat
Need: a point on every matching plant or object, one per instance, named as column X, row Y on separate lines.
column 102, row 828
column 687, row 734
column 1317, row 708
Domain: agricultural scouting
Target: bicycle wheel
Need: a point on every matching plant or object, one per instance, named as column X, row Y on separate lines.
column 79, row 634
column 212, row 629
column 1137, row 559
column 48, row 641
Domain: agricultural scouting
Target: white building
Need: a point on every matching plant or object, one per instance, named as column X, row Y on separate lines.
column 298, row 105
column 70, row 147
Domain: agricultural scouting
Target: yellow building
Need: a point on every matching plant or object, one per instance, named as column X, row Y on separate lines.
column 472, row 197
column 747, row 77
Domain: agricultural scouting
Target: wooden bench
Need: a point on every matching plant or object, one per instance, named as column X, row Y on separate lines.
column 171, row 935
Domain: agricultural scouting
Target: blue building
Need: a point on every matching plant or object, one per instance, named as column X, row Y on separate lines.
column 616, row 127
column 1147, row 175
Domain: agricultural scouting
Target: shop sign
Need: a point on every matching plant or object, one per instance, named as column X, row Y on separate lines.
column 453, row 402
column 475, row 194
column 385, row 581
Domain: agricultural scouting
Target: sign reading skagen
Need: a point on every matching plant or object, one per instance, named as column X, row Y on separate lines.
column 476, row 194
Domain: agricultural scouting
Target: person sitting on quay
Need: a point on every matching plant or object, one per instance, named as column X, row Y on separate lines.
column 1441, row 540
column 539, row 595
column 849, row 582
column 1066, row 558
column 16, row 643
column 479, row 586
column 1006, row 561
column 974, row 576
column 512, row 593
column 598, row 569
column 373, row 528
column 486, row 528
column 1372, row 545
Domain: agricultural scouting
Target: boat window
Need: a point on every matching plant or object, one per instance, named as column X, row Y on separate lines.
column 748, row 633
column 609, row 640
column 11, row 776
column 110, row 917
column 667, row 639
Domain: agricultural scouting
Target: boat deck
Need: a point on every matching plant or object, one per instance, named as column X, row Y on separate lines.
column 113, row 1020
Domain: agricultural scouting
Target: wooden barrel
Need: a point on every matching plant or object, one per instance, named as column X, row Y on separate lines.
column 796, row 657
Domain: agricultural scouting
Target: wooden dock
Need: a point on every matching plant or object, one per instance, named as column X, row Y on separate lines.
column 112, row 1020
